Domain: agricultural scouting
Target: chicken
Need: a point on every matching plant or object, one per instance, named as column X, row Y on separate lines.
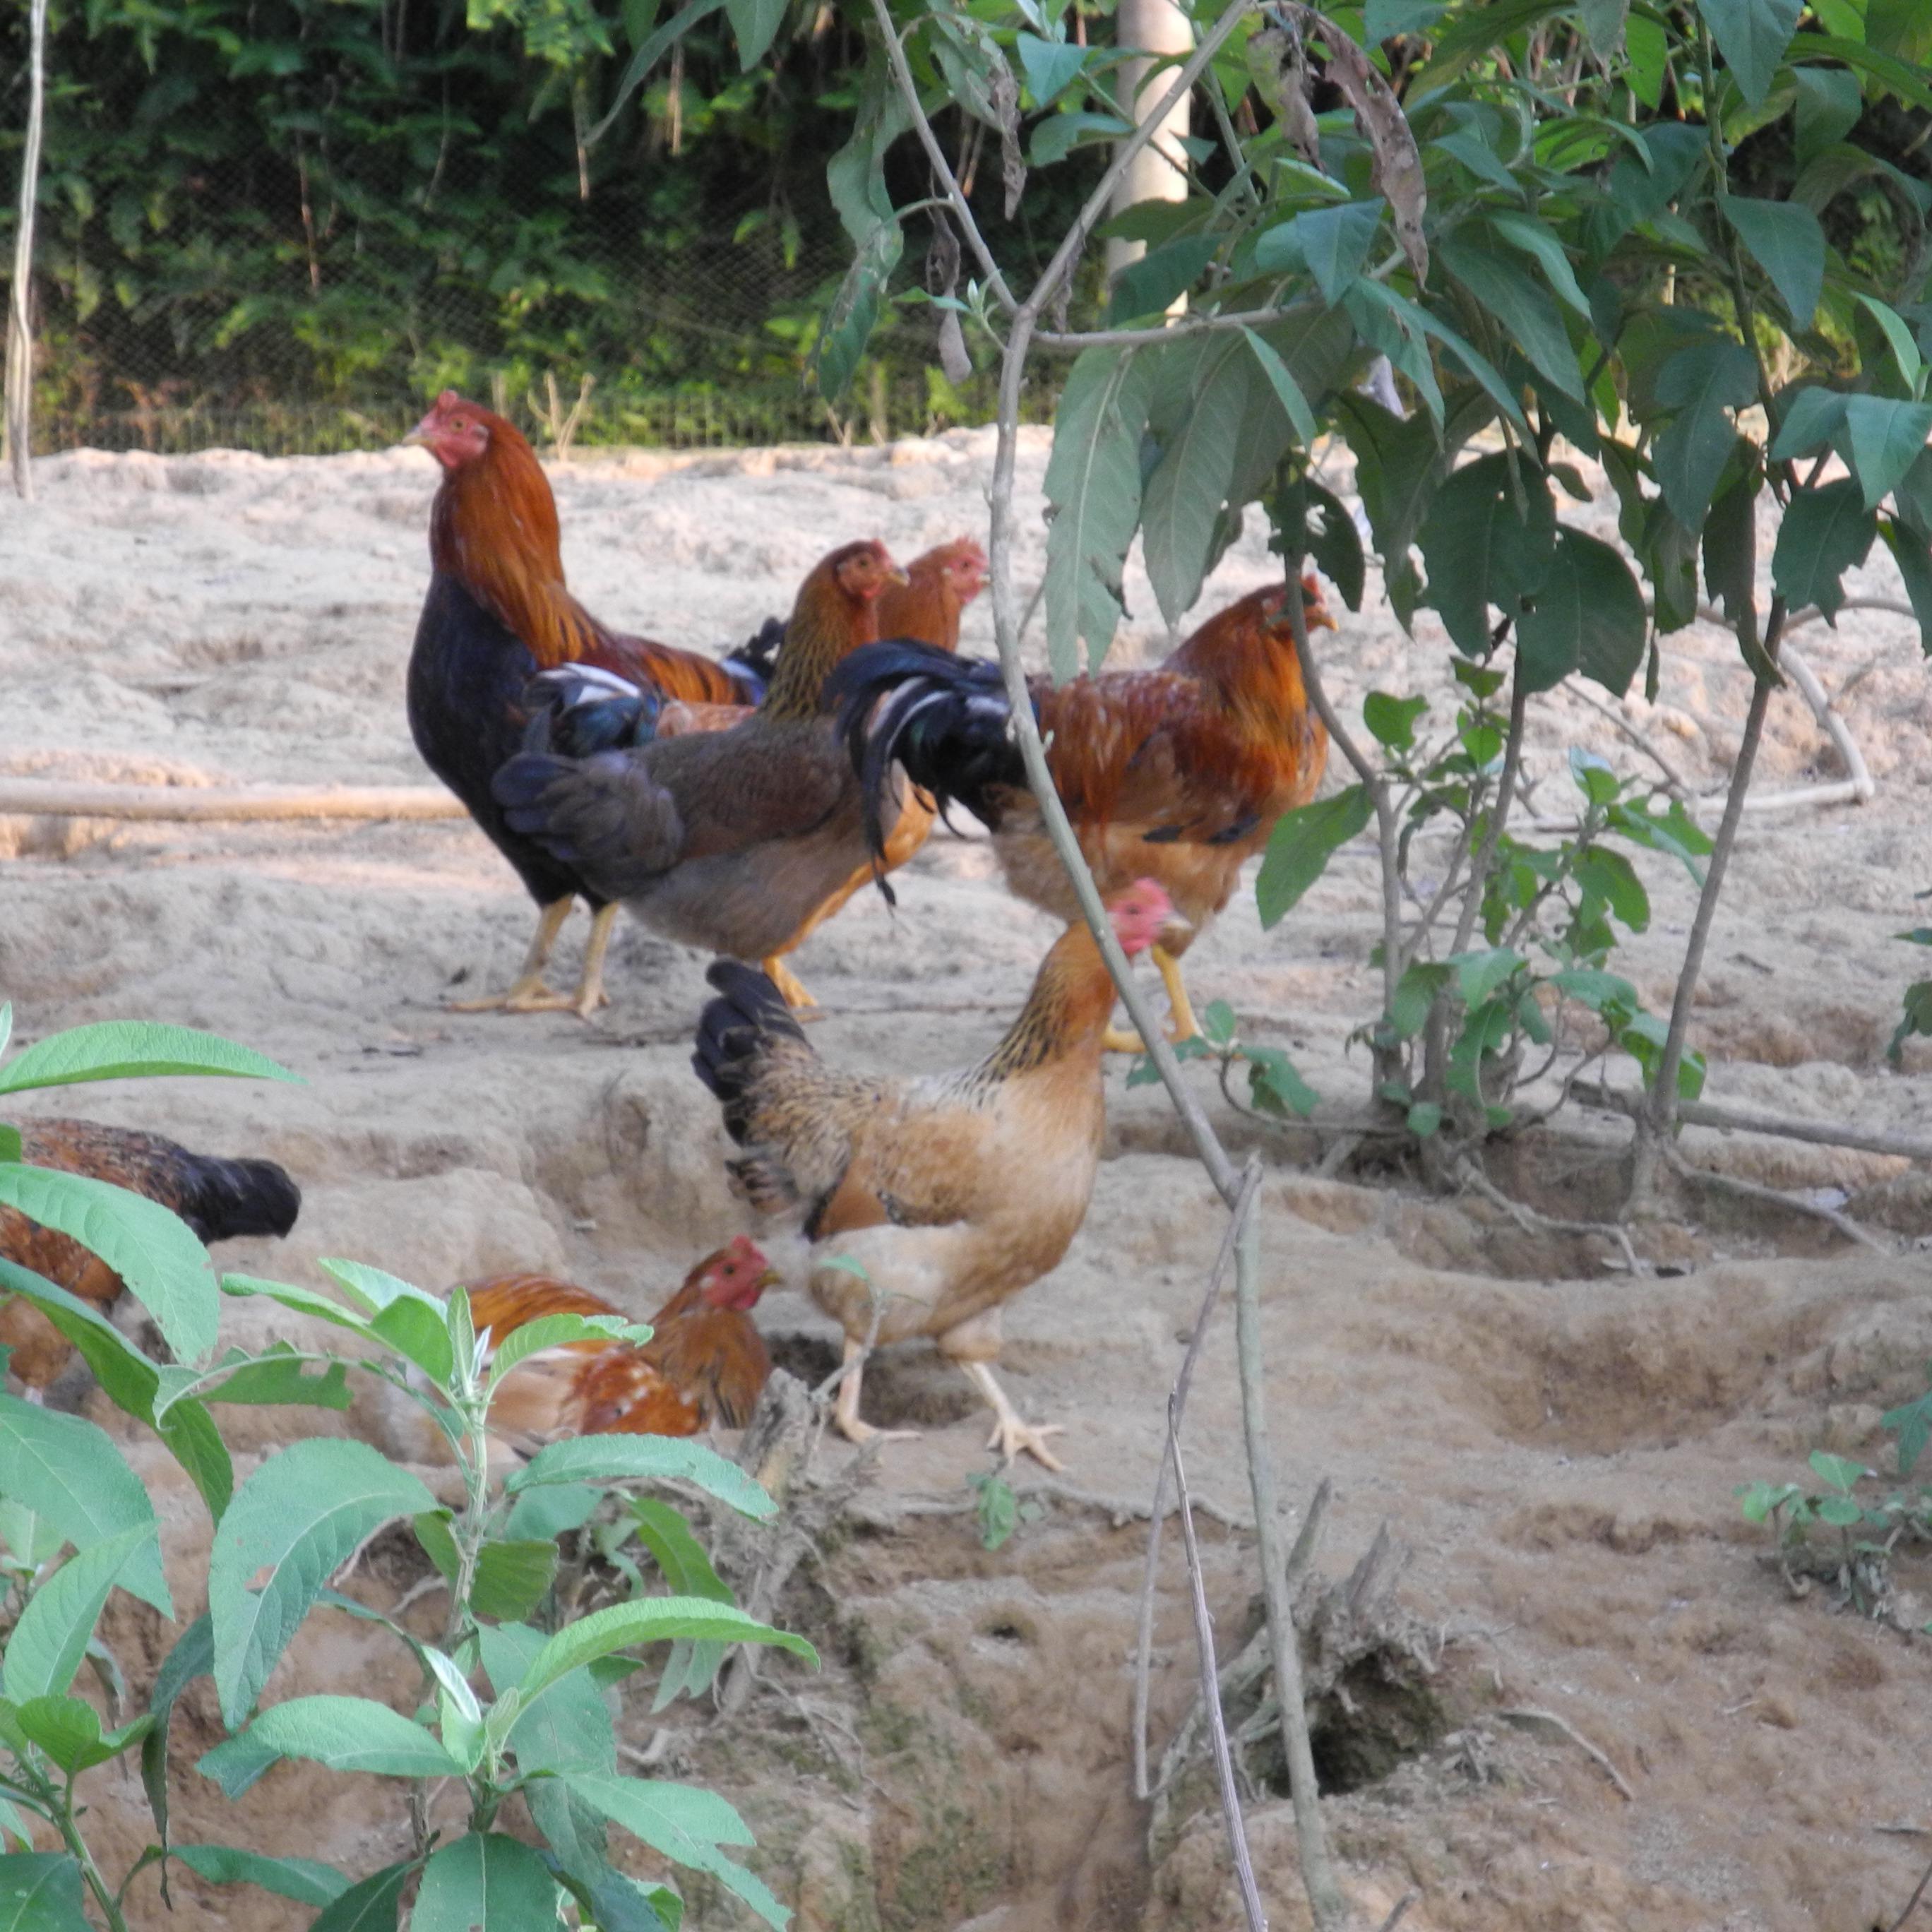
column 726, row 840
column 927, row 1203
column 498, row 612
column 705, row 1363
column 1179, row 773
column 219, row 1200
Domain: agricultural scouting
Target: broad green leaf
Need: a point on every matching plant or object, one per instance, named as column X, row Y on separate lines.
column 1276, row 1086
column 1611, row 877
column 1898, row 338
column 1415, row 994
column 1588, row 616
column 1335, row 544
column 485, row 1882
column 1499, row 391
column 1335, row 243
column 1394, row 326
column 626, row 1459
column 278, row 1377
column 753, row 23
column 687, row 1569
column 1472, row 34
column 1789, row 246
column 1829, row 103
column 1050, row 66
column 646, row 57
column 1912, row 1423
column 847, row 327
column 307, row 1881
column 1534, row 238
column 566, row 1727
column 1906, row 81
column 1887, row 438
column 192, row 1657
column 1399, row 467
column 1391, row 721
column 29, row 1539
column 1479, row 974
column 650, row 1620
column 1700, row 383
column 46, row 1646
column 302, row 1301
column 549, row 1513
column 1603, row 22
column 1384, row 19
column 67, row 1470
column 1594, row 988
column 1287, row 389
column 511, row 1579
column 1910, row 552
column 1521, row 305
column 419, row 1333
column 1812, row 417
column 682, row 1823
column 1301, row 845
column 131, row 1050
column 165, row 1267
column 577, row 1836
column 1093, row 483
column 1483, row 546
column 339, row 1733
column 1184, row 494
column 1149, row 286
column 40, row 1891
column 374, row 1289
column 374, row 1904
column 1840, row 1472
column 1825, row 532
column 300, row 1515
column 1056, row 137
column 68, row 1730
column 1752, row 35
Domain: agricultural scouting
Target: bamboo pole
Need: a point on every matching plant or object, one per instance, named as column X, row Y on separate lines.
column 53, row 798
column 19, row 329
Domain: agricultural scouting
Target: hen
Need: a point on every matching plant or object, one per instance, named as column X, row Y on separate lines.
column 497, row 613
column 726, row 840
column 219, row 1200
column 927, row 1203
column 705, row 1362
column 1178, row 773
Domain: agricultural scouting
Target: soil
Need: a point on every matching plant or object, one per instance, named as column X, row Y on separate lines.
column 1552, row 1444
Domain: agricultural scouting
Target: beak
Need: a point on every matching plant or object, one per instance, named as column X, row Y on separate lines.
column 1318, row 619
column 771, row 1278
column 1176, row 933
column 418, row 437
column 896, row 575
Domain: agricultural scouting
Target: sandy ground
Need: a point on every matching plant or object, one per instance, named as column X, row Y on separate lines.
column 1555, row 1443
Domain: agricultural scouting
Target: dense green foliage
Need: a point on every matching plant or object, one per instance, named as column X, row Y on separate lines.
column 513, row 1708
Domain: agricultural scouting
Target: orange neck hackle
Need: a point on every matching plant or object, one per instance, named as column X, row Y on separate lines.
column 837, row 611
column 1246, row 654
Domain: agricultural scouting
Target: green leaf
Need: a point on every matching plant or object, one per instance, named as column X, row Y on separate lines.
column 339, row 1733
column 1752, row 35
column 1056, row 137
column 1335, row 544
column 1190, row 482
column 1898, row 339
column 1050, row 66
column 1812, row 418
column 1887, row 438
column 40, row 1891
column 1611, row 877
column 1829, row 103
column 1415, row 993
column 1424, row 1118
column 485, row 1882
column 374, row 1289
column 68, row 1730
column 192, row 1657
column 307, row 1881
column 997, row 1509
column 1730, row 547
column 1391, row 721
column 67, row 1470
column 1482, row 547
column 375, row 1903
column 753, row 23
column 1589, row 617
column 1479, row 974
column 132, row 1050
column 1910, row 552
column 1148, row 287
column 650, row 1620
column 1093, row 484
column 300, row 1516
column 646, row 58
column 1287, row 390
column 1700, row 383
column 1913, row 1425
column 1301, row 845
column 165, row 1267
column 684, row 1824
column 420, row 1334
column 1523, row 307
column 1839, row 1472
column 279, row 1378
column 1789, row 246
column 1335, row 242
column 1534, row 238
column 1385, row 19
column 549, row 1513
column 1825, row 532
column 47, row 1644
column 566, row 1727
column 1603, row 22
column 848, row 323
column 576, row 1838
column 511, row 1579
column 628, row 1459
column 687, row 1570
column 302, row 1301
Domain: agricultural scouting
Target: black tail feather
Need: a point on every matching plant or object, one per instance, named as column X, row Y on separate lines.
column 752, row 663
column 576, row 711
column 732, row 1032
column 223, row 1200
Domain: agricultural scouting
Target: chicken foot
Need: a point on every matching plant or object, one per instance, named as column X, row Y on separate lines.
column 1122, row 1039
column 1012, row 1435
column 529, row 993
column 791, row 988
column 846, row 1412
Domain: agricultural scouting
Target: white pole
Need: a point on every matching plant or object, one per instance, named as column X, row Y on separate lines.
column 19, row 337
column 1158, row 172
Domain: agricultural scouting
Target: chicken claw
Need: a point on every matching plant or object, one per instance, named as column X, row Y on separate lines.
column 1012, row 1435
column 789, row 989
column 530, row 993
column 846, row 1411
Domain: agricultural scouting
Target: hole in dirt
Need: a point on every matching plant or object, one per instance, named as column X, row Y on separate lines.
column 1366, row 1726
column 908, row 1387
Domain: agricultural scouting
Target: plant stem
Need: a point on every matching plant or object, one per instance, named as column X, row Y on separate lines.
column 70, row 1836
column 19, row 387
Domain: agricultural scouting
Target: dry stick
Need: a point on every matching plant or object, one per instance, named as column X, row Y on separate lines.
column 19, row 332
column 1799, row 670
column 1177, row 1402
column 1752, row 1190
column 1911, row 1904
column 1211, row 1691
column 1750, row 1120
column 54, row 798
column 1399, row 1912
column 1528, row 1717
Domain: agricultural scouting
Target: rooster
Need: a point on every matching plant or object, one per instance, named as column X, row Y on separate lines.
column 1178, row 773
column 726, row 840
column 219, row 1200
column 498, row 612
column 927, row 1203
column 705, row 1363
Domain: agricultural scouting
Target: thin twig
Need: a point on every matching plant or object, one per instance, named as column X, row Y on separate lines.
column 1752, row 1190
column 1751, row 1120
column 1531, row 1221
column 1210, row 1689
column 1911, row 1904
column 1176, row 1400
column 1530, row 1718
column 1674, row 782
column 1400, row 1911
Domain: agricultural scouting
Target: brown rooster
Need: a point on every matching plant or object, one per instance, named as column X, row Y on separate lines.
column 1178, row 774
column 726, row 840
column 926, row 1203
column 219, row 1200
column 498, row 612
column 705, row 1362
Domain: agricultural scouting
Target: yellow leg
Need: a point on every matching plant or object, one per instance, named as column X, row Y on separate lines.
column 1186, row 1026
column 590, row 994
column 1122, row 1040
column 781, row 976
column 528, row 993
column 846, row 1413
column 1011, row 1436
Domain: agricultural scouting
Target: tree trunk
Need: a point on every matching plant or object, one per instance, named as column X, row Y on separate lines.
column 1158, row 172
column 19, row 337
